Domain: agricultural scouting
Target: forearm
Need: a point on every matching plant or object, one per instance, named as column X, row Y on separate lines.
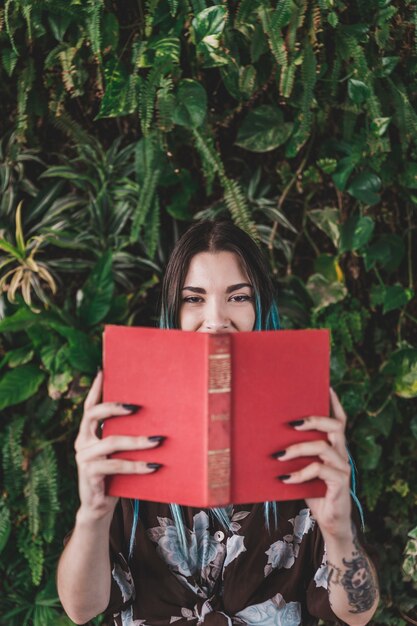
column 84, row 576
column 352, row 582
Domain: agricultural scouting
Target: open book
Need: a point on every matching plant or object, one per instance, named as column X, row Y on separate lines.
column 223, row 402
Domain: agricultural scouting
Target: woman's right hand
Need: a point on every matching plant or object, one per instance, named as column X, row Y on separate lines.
column 92, row 454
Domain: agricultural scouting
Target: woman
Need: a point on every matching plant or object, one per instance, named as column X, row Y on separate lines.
column 177, row 564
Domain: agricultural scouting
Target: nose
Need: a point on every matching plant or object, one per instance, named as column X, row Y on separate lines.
column 216, row 319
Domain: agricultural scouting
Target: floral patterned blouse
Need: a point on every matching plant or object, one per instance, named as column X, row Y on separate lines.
column 245, row 576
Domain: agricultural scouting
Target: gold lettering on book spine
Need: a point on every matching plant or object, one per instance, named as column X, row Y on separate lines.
column 219, row 373
column 219, row 466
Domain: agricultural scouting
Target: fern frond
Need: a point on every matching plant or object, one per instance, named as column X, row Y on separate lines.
column 198, row 6
column 275, row 39
column 27, row 12
column 238, row 206
column 210, row 160
column 405, row 115
column 5, row 524
column 94, row 11
column 24, row 86
column 305, row 117
column 41, row 493
column 13, row 458
column 7, row 6
column 335, row 74
column 151, row 229
column 147, row 94
column 173, row 7
column 149, row 178
column 149, row 16
column 32, row 549
column 244, row 11
column 165, row 105
column 281, row 14
column 286, row 80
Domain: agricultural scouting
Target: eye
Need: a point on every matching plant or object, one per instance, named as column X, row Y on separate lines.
column 241, row 298
column 192, row 299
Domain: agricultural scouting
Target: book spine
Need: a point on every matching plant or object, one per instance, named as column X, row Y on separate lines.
column 219, row 418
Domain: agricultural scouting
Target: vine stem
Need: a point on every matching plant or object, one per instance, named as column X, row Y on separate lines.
column 407, row 618
column 285, row 194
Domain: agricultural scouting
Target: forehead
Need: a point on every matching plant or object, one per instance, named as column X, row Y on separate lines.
column 221, row 267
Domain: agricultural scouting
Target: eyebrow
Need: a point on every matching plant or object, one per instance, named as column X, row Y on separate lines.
column 228, row 290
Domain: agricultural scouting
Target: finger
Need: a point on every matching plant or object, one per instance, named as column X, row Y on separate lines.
column 337, row 409
column 99, row 412
column 94, row 394
column 106, row 467
column 324, row 424
column 334, row 428
column 115, row 443
column 319, row 470
column 319, row 448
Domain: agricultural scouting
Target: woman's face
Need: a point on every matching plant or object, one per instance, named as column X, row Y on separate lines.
column 217, row 295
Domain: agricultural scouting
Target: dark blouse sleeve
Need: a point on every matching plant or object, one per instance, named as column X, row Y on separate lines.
column 122, row 593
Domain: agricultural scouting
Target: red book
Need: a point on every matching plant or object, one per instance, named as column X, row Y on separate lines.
column 223, row 402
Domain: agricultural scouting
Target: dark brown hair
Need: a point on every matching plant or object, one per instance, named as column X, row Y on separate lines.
column 218, row 236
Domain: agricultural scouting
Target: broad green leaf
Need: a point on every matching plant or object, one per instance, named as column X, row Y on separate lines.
column 263, row 129
column 402, row 366
column 409, row 176
column 166, row 49
column 379, row 125
column 58, row 384
column 180, row 200
column 85, row 356
column 369, row 452
column 388, row 64
column 344, row 169
column 387, row 251
column 97, row 292
column 358, row 91
column 365, row 187
column 328, row 266
column 9, row 59
column 328, row 220
column 109, row 33
column 390, row 297
column 119, row 96
column 324, row 292
column 208, row 26
column 19, row 384
column 396, row 297
column 59, row 23
column 18, row 356
column 191, row 104
column 22, row 319
column 355, row 233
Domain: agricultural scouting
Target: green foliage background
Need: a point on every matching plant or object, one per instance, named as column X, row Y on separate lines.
column 121, row 122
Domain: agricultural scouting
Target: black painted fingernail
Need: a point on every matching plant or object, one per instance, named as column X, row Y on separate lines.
column 284, row 477
column 158, row 438
column 296, row 423
column 131, row 407
column 277, row 455
column 154, row 466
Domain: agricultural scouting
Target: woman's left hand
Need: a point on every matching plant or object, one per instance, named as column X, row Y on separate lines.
column 332, row 512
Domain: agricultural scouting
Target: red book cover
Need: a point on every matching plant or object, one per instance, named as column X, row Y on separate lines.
column 223, row 402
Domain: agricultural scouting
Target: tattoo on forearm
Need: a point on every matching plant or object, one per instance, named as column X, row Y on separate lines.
column 357, row 579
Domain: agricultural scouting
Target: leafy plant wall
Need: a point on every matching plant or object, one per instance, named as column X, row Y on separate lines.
column 121, row 122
